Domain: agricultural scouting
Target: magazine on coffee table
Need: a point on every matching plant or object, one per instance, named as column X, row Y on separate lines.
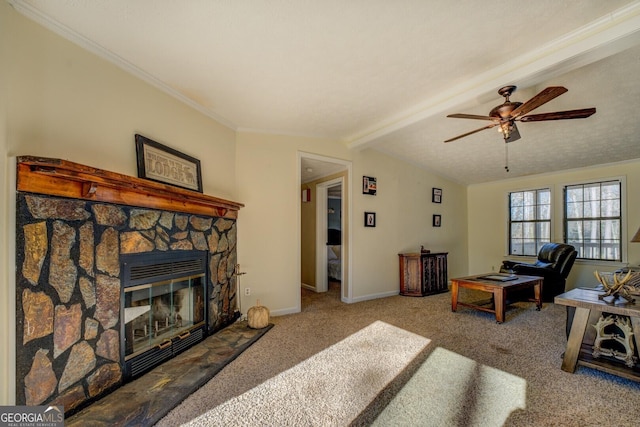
column 500, row 277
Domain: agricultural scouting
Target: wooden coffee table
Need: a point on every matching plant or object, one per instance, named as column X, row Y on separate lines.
column 499, row 289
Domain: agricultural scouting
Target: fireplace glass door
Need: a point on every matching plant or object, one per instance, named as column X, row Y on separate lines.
column 157, row 313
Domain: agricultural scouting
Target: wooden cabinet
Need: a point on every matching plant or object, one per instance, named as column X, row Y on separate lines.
column 423, row 273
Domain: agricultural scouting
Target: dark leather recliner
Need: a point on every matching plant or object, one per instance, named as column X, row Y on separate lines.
column 554, row 264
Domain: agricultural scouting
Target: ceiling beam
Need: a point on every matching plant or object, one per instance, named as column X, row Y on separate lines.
column 603, row 37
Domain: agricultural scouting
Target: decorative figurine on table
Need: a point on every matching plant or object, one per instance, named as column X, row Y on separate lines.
column 618, row 288
column 622, row 337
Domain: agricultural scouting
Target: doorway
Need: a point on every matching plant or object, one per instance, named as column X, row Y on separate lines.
column 325, row 223
column 329, row 229
column 334, row 240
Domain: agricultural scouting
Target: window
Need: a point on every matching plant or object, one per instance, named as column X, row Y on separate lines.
column 529, row 221
column 593, row 221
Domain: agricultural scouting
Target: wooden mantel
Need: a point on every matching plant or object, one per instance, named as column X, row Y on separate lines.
column 62, row 178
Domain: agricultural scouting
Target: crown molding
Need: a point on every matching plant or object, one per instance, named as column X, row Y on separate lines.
column 67, row 33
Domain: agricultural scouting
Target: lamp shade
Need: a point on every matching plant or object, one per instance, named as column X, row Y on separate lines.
column 636, row 237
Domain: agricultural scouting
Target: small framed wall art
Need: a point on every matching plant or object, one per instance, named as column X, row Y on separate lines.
column 437, row 220
column 369, row 219
column 163, row 164
column 306, row 195
column 369, row 185
column 436, row 195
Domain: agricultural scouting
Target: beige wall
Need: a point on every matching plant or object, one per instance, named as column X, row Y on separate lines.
column 488, row 217
column 60, row 101
column 269, row 226
column 308, row 237
column 7, row 290
column 67, row 103
column 404, row 213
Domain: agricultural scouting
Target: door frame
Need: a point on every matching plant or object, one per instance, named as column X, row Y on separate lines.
column 322, row 234
column 347, row 219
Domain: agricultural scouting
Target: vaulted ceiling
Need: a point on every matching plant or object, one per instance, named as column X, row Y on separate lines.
column 384, row 74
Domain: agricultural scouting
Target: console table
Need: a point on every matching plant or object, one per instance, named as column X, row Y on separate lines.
column 423, row 273
column 588, row 309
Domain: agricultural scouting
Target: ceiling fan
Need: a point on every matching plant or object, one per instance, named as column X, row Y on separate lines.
column 507, row 114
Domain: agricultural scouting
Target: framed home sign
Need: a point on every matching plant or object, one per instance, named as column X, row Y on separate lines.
column 158, row 162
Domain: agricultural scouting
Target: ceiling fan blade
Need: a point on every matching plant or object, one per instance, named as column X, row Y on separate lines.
column 473, row 131
column 560, row 115
column 514, row 135
column 542, row 98
column 471, row 116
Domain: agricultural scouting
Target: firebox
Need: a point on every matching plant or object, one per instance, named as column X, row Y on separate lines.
column 163, row 307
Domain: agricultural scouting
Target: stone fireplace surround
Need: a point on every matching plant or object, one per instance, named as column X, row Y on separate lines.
column 73, row 223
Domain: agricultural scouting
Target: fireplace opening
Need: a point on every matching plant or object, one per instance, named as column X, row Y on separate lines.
column 163, row 307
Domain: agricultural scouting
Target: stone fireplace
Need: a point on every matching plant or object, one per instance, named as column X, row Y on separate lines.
column 115, row 274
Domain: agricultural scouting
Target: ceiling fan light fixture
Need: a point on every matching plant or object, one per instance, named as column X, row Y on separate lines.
column 505, row 128
column 506, row 114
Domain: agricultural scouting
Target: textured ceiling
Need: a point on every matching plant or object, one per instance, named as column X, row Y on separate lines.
column 384, row 74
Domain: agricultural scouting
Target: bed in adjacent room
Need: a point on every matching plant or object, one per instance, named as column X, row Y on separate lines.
column 334, row 254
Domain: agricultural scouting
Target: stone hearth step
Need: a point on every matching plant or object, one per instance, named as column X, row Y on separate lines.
column 147, row 399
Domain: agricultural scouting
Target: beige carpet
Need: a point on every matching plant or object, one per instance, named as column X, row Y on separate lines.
column 330, row 388
column 450, row 369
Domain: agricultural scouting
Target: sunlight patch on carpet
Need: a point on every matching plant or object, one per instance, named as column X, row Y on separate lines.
column 452, row 390
column 330, row 388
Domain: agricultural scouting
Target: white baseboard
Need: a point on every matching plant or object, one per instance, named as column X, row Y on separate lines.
column 293, row 310
column 311, row 288
column 374, row 296
column 283, row 311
